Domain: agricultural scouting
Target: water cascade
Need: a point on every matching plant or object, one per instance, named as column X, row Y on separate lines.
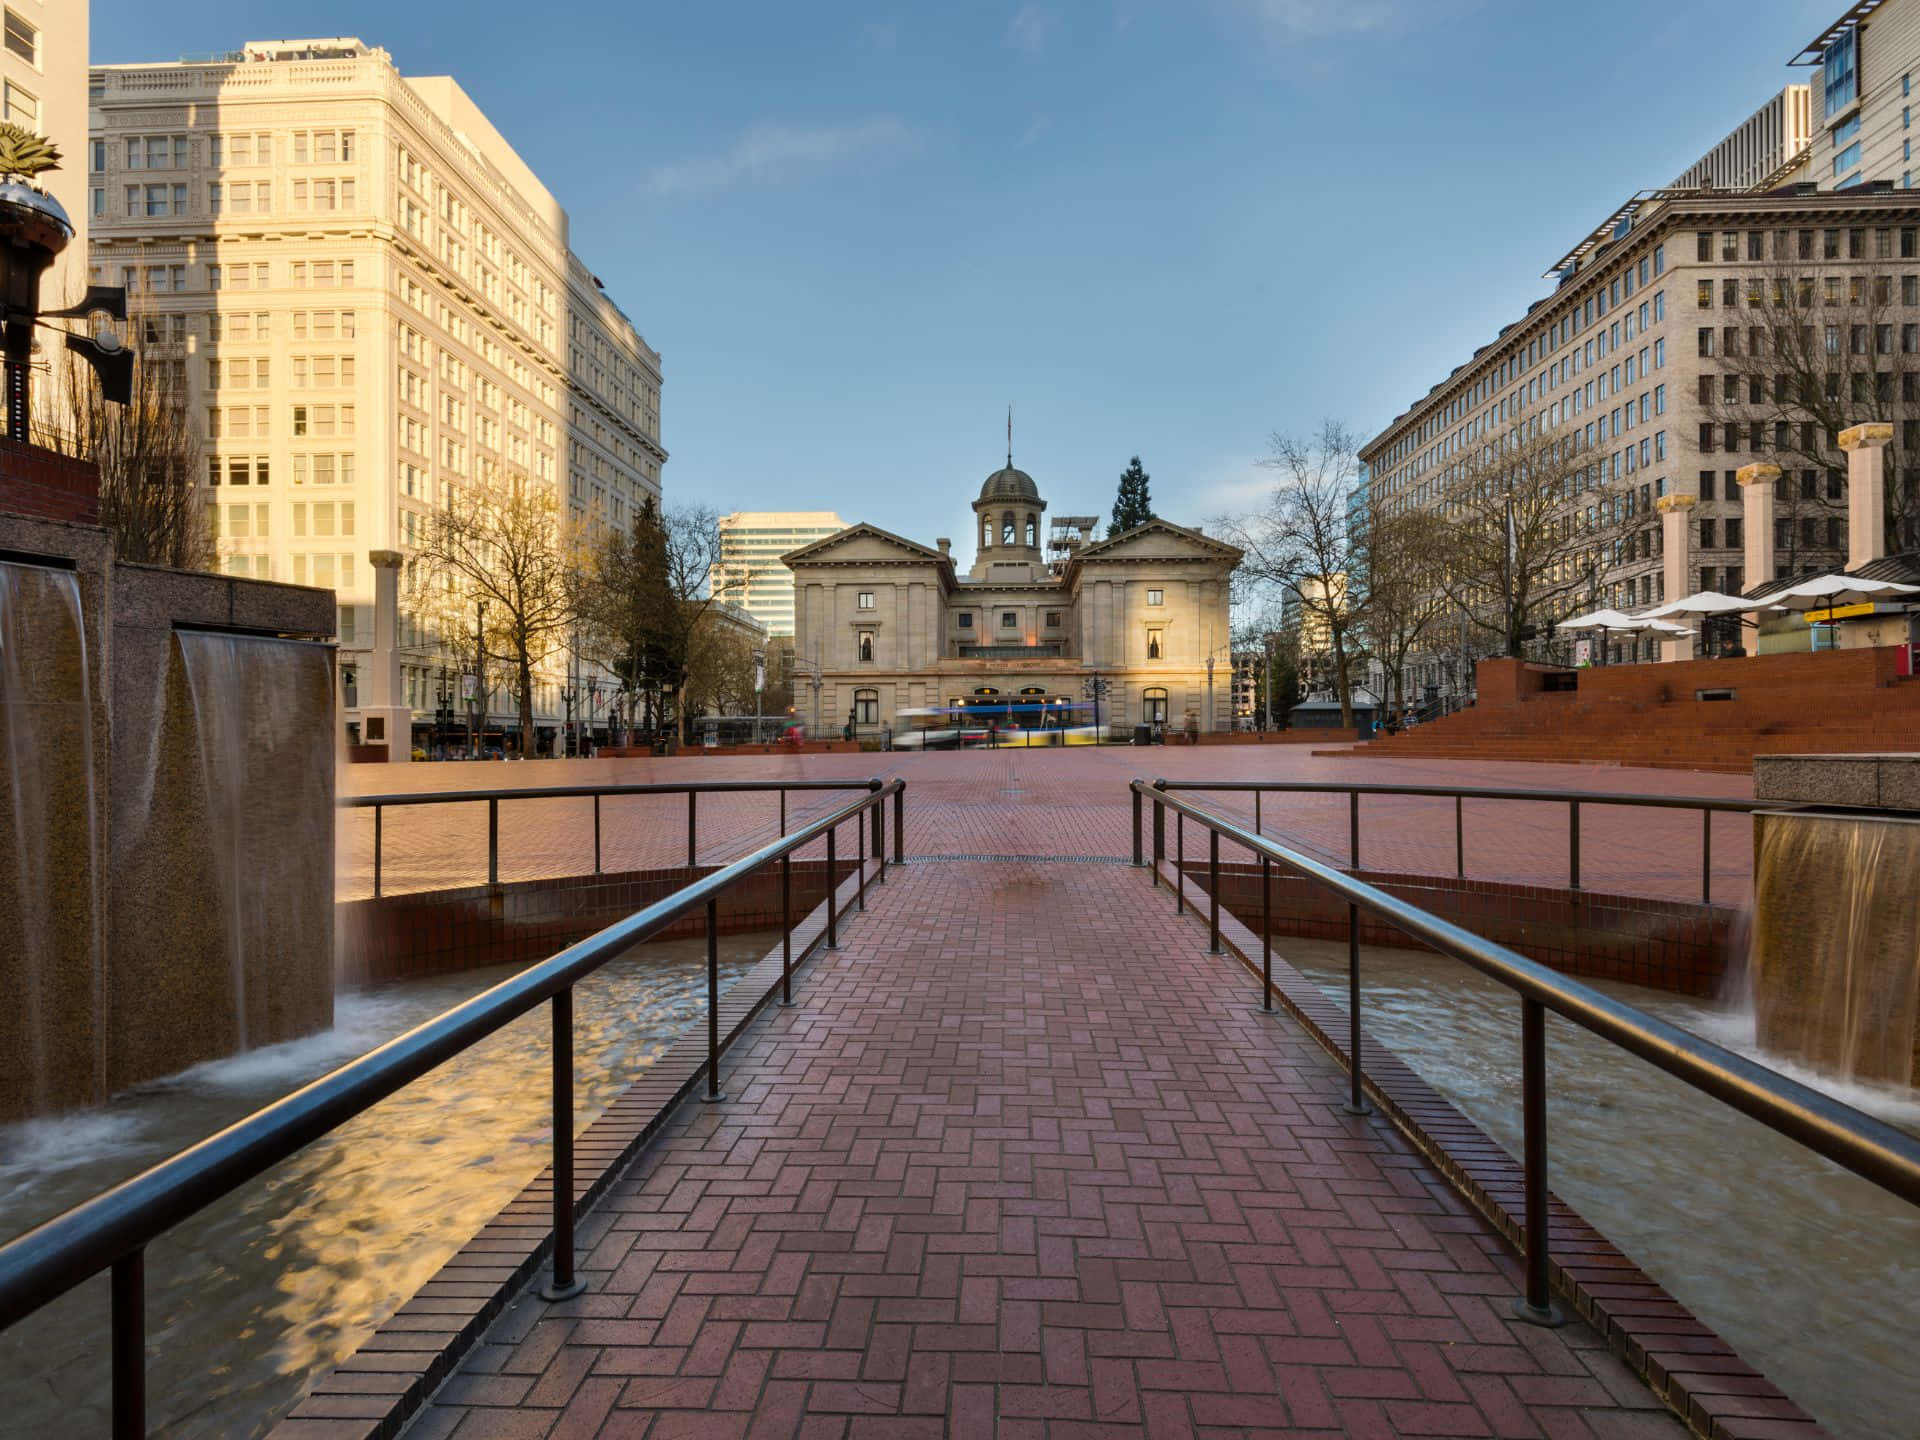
column 51, row 950
column 1835, row 968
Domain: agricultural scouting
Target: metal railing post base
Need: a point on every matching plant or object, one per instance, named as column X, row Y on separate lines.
column 1356, row 1108
column 716, row 1098
column 1551, row 1318
column 552, row 1291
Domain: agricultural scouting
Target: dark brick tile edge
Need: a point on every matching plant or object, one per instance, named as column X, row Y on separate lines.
column 1694, row 1372
column 391, row 1377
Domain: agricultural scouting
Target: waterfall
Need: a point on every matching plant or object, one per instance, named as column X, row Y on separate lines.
column 1835, row 968
column 260, row 717
column 54, row 927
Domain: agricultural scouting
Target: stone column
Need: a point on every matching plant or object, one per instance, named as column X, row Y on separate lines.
column 1676, row 542
column 387, row 719
column 1866, row 491
column 1756, row 518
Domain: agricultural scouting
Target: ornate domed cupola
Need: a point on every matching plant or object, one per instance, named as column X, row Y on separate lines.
column 1007, row 516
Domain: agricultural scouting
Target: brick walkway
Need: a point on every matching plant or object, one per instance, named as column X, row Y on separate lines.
column 1022, row 1163
column 1052, row 802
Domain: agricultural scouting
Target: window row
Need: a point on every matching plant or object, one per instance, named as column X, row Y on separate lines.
column 1849, row 242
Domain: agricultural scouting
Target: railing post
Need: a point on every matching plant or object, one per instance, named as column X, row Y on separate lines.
column 860, row 860
column 493, row 840
column 1256, row 812
column 1459, row 841
column 129, row 1324
column 1266, row 931
column 376, row 852
column 1159, row 836
column 880, row 835
column 1706, row 857
column 1353, row 831
column 1573, row 844
column 1179, row 862
column 1213, row 881
column 783, row 812
column 833, row 926
column 786, row 928
column 1537, row 1304
column 693, row 828
column 1138, row 861
column 596, row 834
column 1356, row 1099
column 565, row 1284
column 714, row 1092
column 900, row 824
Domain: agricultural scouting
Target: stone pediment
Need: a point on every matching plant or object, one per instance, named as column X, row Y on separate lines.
column 861, row 544
column 1159, row 540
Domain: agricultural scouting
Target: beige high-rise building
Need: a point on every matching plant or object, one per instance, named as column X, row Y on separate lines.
column 374, row 303
column 1865, row 72
column 43, row 86
column 750, row 574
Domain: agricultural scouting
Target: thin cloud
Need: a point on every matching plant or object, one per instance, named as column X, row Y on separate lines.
column 1041, row 124
column 1028, row 32
column 1327, row 17
column 774, row 152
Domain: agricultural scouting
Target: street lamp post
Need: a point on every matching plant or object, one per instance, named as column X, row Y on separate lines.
column 593, row 702
column 479, row 723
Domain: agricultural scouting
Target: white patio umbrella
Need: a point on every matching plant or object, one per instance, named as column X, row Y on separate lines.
column 1827, row 592
column 1706, row 602
column 1619, row 620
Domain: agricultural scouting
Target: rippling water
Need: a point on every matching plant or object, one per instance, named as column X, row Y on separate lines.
column 1810, row 1272
column 252, row 1298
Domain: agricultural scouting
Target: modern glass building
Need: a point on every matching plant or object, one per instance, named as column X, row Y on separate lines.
column 750, row 574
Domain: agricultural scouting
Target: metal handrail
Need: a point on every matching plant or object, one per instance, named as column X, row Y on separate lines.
column 692, row 789
column 1876, row 1151
column 113, row 1228
column 1707, row 805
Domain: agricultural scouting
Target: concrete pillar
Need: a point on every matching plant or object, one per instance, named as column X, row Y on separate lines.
column 1756, row 518
column 1866, row 447
column 386, row 719
column 1676, row 541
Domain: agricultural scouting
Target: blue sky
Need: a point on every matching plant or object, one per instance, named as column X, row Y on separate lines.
column 857, row 231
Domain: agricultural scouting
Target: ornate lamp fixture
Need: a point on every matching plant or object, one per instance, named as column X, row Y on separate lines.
column 34, row 229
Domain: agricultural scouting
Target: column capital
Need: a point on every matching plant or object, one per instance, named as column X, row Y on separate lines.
column 1865, row 437
column 1668, row 503
column 386, row 559
column 1757, row 474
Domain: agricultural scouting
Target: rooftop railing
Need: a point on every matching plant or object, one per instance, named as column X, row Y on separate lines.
column 112, row 1230
column 1878, row 1152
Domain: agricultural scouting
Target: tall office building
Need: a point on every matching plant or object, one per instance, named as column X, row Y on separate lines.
column 1863, row 88
column 43, row 86
column 750, row 574
column 374, row 303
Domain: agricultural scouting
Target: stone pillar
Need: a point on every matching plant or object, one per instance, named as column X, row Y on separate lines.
column 386, row 719
column 1756, row 518
column 1676, row 542
column 1866, row 447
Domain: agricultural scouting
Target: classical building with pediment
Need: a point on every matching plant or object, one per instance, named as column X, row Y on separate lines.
column 885, row 625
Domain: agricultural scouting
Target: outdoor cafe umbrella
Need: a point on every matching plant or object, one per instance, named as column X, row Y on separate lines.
column 1706, row 602
column 1619, row 620
column 1828, row 592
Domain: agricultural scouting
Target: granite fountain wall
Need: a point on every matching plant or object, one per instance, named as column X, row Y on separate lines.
column 166, row 836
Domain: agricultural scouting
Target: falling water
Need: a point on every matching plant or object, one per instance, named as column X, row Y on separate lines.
column 1835, row 962
column 264, row 774
column 46, row 737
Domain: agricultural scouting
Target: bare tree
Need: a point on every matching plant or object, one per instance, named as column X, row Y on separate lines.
column 1303, row 544
column 1404, row 587
column 499, row 542
column 1511, row 551
column 720, row 668
column 147, row 452
column 1811, row 355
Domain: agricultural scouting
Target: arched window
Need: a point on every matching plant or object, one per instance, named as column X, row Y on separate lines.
column 866, row 645
column 1006, row 528
column 1033, row 532
column 1154, row 705
column 986, row 532
column 866, row 707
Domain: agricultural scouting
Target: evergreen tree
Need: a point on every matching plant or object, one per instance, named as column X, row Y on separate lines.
column 1131, row 506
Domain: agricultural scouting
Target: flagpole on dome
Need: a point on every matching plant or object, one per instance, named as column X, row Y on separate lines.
column 1009, row 434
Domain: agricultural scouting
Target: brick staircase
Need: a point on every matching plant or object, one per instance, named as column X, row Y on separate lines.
column 1834, row 702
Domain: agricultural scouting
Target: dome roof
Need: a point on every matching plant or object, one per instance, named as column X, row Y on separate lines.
column 1010, row 484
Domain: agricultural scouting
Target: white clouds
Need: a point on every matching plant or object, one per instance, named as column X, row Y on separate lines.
column 776, row 152
column 1226, row 485
column 1028, row 31
column 1041, row 124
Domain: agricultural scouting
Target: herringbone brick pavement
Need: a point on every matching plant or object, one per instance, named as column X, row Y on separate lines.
column 1021, row 1162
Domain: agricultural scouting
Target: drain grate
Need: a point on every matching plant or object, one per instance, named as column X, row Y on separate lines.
column 1026, row 859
